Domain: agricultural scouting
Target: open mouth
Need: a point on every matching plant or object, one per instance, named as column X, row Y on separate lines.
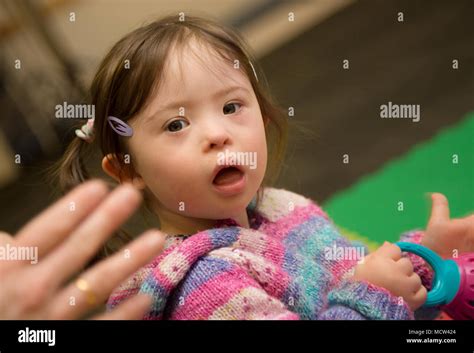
column 227, row 176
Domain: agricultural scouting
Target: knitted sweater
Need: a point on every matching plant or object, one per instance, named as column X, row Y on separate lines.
column 282, row 267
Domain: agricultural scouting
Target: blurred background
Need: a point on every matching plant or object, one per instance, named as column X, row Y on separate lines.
column 335, row 63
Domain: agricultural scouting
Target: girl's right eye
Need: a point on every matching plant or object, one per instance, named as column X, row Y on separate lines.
column 175, row 125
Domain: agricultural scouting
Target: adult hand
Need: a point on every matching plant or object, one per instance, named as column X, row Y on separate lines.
column 67, row 235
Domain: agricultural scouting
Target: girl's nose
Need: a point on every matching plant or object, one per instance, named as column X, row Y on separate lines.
column 216, row 137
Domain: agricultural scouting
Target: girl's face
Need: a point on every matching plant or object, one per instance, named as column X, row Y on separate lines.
column 181, row 137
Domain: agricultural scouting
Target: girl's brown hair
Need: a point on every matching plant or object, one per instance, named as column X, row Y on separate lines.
column 124, row 92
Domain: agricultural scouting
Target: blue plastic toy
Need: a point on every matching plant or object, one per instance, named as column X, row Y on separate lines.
column 453, row 281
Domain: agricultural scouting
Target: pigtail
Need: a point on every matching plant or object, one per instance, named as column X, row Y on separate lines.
column 71, row 169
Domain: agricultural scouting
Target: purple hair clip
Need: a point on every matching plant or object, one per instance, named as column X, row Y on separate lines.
column 120, row 127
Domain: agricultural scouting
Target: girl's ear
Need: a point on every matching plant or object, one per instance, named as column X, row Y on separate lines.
column 121, row 172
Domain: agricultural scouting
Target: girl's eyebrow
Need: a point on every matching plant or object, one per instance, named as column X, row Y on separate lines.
column 178, row 104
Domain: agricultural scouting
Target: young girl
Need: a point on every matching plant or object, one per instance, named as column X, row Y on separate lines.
column 172, row 99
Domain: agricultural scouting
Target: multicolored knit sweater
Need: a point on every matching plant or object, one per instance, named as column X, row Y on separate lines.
column 278, row 268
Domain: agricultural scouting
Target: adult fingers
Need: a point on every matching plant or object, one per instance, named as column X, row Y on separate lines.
column 7, row 242
column 134, row 308
column 58, row 221
column 85, row 241
column 106, row 276
column 5, row 238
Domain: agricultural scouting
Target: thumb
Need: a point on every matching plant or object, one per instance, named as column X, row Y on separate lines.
column 439, row 208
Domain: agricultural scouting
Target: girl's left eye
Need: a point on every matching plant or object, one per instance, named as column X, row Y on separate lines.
column 230, row 108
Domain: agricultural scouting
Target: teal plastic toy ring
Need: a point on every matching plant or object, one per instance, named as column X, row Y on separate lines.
column 447, row 278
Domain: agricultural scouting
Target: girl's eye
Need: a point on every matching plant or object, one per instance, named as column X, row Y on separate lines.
column 230, row 108
column 176, row 125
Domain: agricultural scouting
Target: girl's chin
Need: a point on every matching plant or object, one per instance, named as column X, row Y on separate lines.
column 226, row 212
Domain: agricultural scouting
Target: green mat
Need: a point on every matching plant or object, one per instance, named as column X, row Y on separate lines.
column 371, row 207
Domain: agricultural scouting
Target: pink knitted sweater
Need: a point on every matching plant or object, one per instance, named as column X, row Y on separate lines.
column 278, row 268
